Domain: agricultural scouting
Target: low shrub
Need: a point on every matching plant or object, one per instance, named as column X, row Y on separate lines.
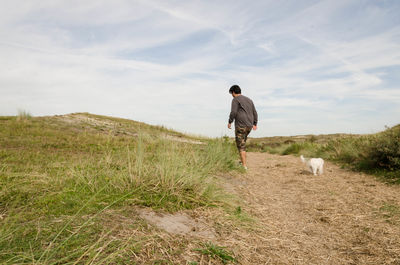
column 297, row 148
column 384, row 151
column 292, row 149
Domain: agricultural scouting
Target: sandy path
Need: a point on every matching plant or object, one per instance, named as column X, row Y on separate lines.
column 336, row 218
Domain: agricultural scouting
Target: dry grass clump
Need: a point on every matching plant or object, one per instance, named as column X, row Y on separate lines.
column 23, row 115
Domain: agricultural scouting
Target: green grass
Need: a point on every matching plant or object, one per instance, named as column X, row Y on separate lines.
column 242, row 218
column 217, row 252
column 58, row 178
column 391, row 213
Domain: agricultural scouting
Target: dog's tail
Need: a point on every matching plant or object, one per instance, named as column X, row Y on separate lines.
column 302, row 159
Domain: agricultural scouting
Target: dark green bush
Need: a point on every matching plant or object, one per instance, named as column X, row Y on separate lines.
column 292, row 149
column 384, row 151
column 346, row 150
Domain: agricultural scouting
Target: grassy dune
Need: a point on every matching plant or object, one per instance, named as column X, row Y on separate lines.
column 59, row 175
column 70, row 185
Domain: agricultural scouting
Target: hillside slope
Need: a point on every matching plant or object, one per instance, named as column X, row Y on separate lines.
column 59, row 175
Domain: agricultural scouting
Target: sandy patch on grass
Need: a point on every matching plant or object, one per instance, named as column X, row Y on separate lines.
column 178, row 223
column 81, row 118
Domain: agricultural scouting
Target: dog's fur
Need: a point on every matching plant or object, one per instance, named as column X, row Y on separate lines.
column 314, row 164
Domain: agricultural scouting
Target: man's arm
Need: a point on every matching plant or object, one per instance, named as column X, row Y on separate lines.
column 234, row 110
column 255, row 115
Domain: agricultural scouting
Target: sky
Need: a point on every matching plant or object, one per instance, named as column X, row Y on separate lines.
column 310, row 66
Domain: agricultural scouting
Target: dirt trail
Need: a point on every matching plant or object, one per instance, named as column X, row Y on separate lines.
column 341, row 217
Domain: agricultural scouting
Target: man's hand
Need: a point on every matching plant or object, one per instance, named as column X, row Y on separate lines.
column 229, row 126
column 254, row 127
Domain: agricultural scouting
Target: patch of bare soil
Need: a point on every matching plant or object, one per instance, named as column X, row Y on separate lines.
column 336, row 218
column 81, row 118
column 97, row 125
column 179, row 223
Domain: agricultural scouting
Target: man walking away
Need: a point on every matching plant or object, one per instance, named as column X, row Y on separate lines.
column 245, row 116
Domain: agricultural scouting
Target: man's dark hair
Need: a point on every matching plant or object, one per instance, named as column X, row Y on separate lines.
column 236, row 89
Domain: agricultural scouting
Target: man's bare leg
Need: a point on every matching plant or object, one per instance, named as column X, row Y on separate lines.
column 243, row 158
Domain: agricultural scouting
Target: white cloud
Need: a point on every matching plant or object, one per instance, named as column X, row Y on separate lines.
column 172, row 62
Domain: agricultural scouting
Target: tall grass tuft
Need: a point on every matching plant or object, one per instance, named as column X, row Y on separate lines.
column 23, row 115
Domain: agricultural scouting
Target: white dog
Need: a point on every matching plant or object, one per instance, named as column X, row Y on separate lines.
column 314, row 164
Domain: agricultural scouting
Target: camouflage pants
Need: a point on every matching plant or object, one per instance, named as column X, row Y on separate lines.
column 241, row 137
